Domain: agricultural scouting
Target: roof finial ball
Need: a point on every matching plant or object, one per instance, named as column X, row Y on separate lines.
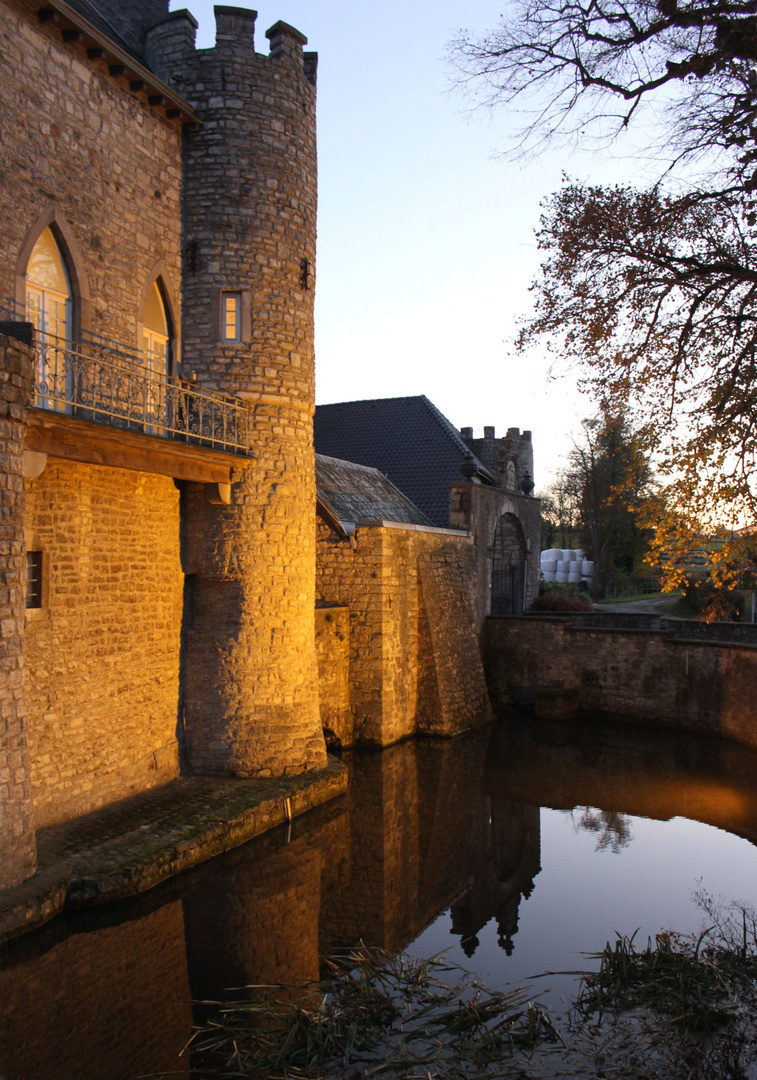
column 468, row 466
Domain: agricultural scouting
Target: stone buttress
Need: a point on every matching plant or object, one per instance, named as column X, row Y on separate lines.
column 249, row 223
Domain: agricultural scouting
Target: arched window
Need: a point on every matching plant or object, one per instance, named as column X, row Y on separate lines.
column 155, row 333
column 155, row 349
column 49, row 309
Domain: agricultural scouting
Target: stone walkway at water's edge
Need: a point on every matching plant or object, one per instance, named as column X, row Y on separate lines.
column 130, row 846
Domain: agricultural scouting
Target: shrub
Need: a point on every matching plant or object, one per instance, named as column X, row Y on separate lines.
column 557, row 597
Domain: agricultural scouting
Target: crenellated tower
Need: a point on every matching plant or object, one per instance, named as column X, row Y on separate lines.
column 249, row 229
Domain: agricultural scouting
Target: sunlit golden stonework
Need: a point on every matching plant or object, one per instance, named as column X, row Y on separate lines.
column 161, row 526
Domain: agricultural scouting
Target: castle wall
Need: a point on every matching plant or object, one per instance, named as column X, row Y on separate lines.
column 102, row 653
column 249, row 206
column 75, row 142
column 17, row 843
column 639, row 674
column 332, row 645
column 414, row 660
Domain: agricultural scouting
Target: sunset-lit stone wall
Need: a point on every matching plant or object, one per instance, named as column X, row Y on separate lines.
column 102, row 653
column 638, row 673
column 249, row 206
column 17, row 845
column 332, row 645
column 414, row 659
column 77, row 143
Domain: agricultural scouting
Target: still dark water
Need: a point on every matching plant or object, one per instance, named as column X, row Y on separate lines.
column 515, row 849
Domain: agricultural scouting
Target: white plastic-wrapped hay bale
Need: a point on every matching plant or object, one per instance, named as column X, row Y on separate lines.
column 563, row 566
column 574, row 573
column 568, row 555
column 548, row 566
column 562, row 577
column 551, row 553
column 587, row 567
column 548, row 575
column 579, row 554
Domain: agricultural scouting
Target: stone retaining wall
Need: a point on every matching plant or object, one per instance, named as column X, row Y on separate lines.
column 644, row 674
column 414, row 659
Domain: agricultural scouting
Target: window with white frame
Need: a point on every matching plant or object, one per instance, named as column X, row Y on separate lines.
column 231, row 316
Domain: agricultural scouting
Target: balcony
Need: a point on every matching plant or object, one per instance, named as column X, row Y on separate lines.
column 106, row 383
column 110, row 386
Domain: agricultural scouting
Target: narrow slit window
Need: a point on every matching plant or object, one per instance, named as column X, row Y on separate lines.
column 34, row 579
column 231, row 316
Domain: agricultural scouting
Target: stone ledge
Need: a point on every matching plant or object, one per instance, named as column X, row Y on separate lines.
column 131, row 846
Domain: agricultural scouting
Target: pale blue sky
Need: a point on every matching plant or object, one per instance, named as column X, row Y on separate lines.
column 425, row 237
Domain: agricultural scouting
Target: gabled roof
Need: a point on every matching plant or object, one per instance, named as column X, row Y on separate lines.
column 407, row 439
column 351, row 493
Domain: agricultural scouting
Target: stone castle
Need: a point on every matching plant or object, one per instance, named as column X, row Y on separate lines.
column 176, row 594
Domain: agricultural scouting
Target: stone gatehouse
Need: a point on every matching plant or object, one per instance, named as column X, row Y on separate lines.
column 160, row 514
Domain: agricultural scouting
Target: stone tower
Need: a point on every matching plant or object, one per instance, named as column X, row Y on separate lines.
column 249, row 223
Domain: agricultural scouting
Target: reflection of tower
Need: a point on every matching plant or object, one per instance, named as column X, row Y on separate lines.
column 419, row 831
column 499, row 882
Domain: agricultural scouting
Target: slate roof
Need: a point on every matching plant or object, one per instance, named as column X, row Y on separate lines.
column 101, row 23
column 407, row 439
column 353, row 493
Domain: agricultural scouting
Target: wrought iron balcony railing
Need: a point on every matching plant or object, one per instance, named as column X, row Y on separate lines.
column 108, row 384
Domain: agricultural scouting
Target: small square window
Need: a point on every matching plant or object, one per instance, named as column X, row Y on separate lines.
column 34, row 579
column 231, row 316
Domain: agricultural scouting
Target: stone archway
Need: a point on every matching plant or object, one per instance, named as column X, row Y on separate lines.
column 507, row 594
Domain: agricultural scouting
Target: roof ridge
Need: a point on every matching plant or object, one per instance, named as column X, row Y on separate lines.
column 454, row 434
column 371, row 401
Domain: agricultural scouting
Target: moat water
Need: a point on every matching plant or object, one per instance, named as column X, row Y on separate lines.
column 516, row 850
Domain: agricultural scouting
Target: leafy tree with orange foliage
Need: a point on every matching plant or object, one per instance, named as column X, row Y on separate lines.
column 652, row 292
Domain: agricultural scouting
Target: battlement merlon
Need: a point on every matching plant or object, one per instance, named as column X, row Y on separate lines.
column 170, row 48
column 170, row 45
column 287, row 43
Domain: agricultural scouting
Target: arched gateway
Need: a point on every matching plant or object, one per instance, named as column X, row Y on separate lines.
column 508, row 578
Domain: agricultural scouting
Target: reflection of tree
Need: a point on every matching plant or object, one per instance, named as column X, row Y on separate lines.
column 612, row 828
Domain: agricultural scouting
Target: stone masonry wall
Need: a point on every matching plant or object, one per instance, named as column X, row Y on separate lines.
column 17, row 844
column 76, row 141
column 102, row 654
column 332, row 645
column 414, row 660
column 249, row 214
column 640, row 674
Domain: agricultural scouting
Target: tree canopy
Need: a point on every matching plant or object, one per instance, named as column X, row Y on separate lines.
column 598, row 500
column 653, row 292
column 584, row 68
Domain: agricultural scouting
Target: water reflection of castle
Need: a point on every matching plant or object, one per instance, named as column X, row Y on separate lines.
column 426, row 837
column 504, row 877
column 425, row 826
column 115, row 1000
